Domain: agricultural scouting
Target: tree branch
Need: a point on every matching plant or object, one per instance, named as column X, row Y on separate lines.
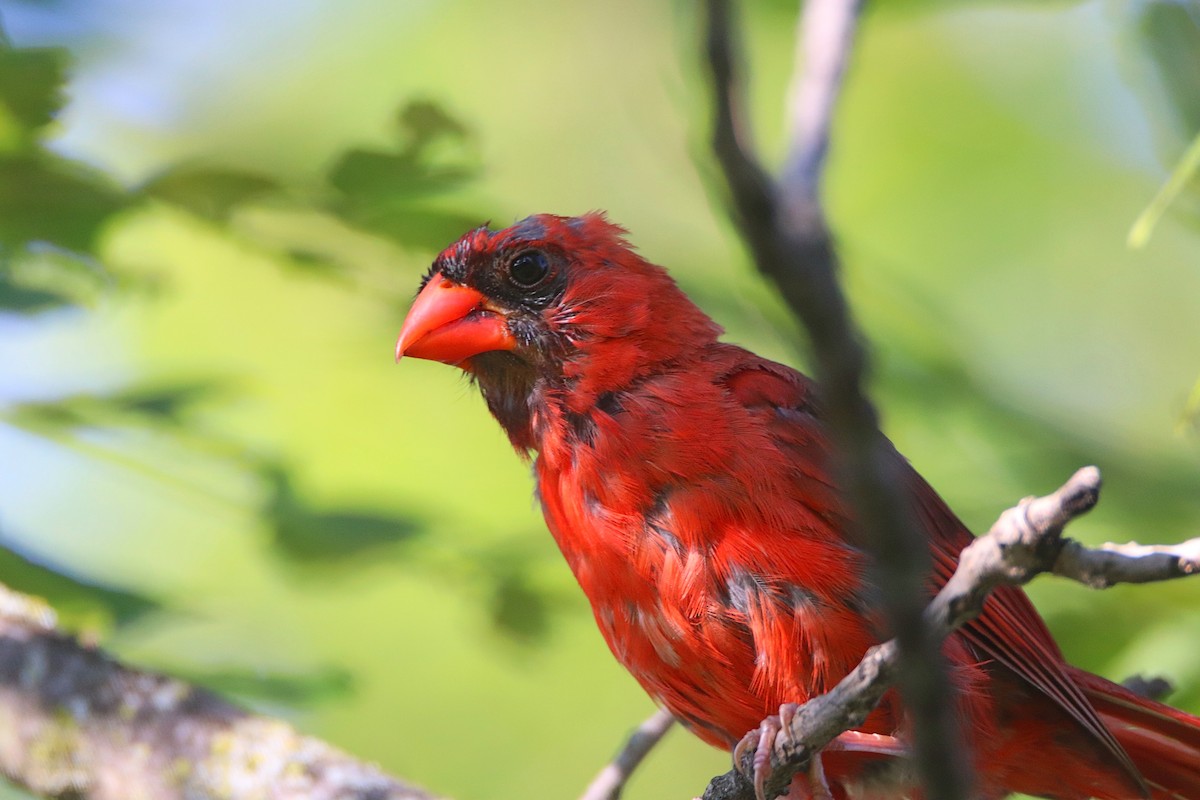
column 607, row 785
column 824, row 38
column 785, row 229
column 75, row 723
column 1025, row 542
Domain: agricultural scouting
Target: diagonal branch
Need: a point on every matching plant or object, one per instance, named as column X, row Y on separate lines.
column 824, row 39
column 785, row 229
column 1025, row 542
column 607, row 785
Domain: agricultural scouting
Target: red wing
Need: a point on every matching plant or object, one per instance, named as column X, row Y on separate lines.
column 1009, row 630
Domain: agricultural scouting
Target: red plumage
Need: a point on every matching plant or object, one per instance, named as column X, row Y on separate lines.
column 688, row 484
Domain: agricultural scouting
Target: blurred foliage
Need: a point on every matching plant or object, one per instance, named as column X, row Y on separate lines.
column 207, row 457
column 1167, row 35
column 53, row 212
column 305, row 534
column 210, row 192
column 73, row 596
column 329, row 684
column 48, row 204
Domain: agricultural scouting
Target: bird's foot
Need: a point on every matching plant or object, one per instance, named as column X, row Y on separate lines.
column 763, row 742
column 780, row 725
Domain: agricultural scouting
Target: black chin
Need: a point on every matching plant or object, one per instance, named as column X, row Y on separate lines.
column 497, row 365
column 507, row 382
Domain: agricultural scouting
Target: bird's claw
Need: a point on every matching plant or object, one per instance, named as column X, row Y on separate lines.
column 763, row 741
column 779, row 726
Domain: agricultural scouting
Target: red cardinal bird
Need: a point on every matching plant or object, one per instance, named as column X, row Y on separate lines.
column 688, row 483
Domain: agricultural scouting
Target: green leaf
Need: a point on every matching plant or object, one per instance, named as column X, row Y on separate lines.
column 1184, row 171
column 432, row 155
column 31, row 83
column 44, row 198
column 387, row 191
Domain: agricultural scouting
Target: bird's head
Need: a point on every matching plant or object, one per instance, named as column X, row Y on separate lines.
column 552, row 303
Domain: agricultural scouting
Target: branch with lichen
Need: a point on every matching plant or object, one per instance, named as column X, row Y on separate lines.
column 75, row 723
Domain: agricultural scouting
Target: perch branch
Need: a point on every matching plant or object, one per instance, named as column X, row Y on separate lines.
column 75, row 723
column 784, row 227
column 1025, row 542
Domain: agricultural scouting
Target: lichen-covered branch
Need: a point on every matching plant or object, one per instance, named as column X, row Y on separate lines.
column 1026, row 541
column 75, row 723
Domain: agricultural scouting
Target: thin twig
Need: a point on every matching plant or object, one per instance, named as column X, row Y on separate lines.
column 1126, row 563
column 824, row 39
column 609, row 782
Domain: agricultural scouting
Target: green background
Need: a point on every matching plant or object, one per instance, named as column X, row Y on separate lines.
column 209, row 461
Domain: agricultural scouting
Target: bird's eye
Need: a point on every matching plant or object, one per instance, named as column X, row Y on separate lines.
column 528, row 269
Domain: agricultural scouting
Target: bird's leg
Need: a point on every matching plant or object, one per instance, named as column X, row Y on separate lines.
column 876, row 743
column 818, row 786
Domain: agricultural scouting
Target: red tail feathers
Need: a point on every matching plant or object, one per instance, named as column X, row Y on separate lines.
column 1163, row 742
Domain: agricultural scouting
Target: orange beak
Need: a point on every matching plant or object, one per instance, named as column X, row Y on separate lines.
column 450, row 323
